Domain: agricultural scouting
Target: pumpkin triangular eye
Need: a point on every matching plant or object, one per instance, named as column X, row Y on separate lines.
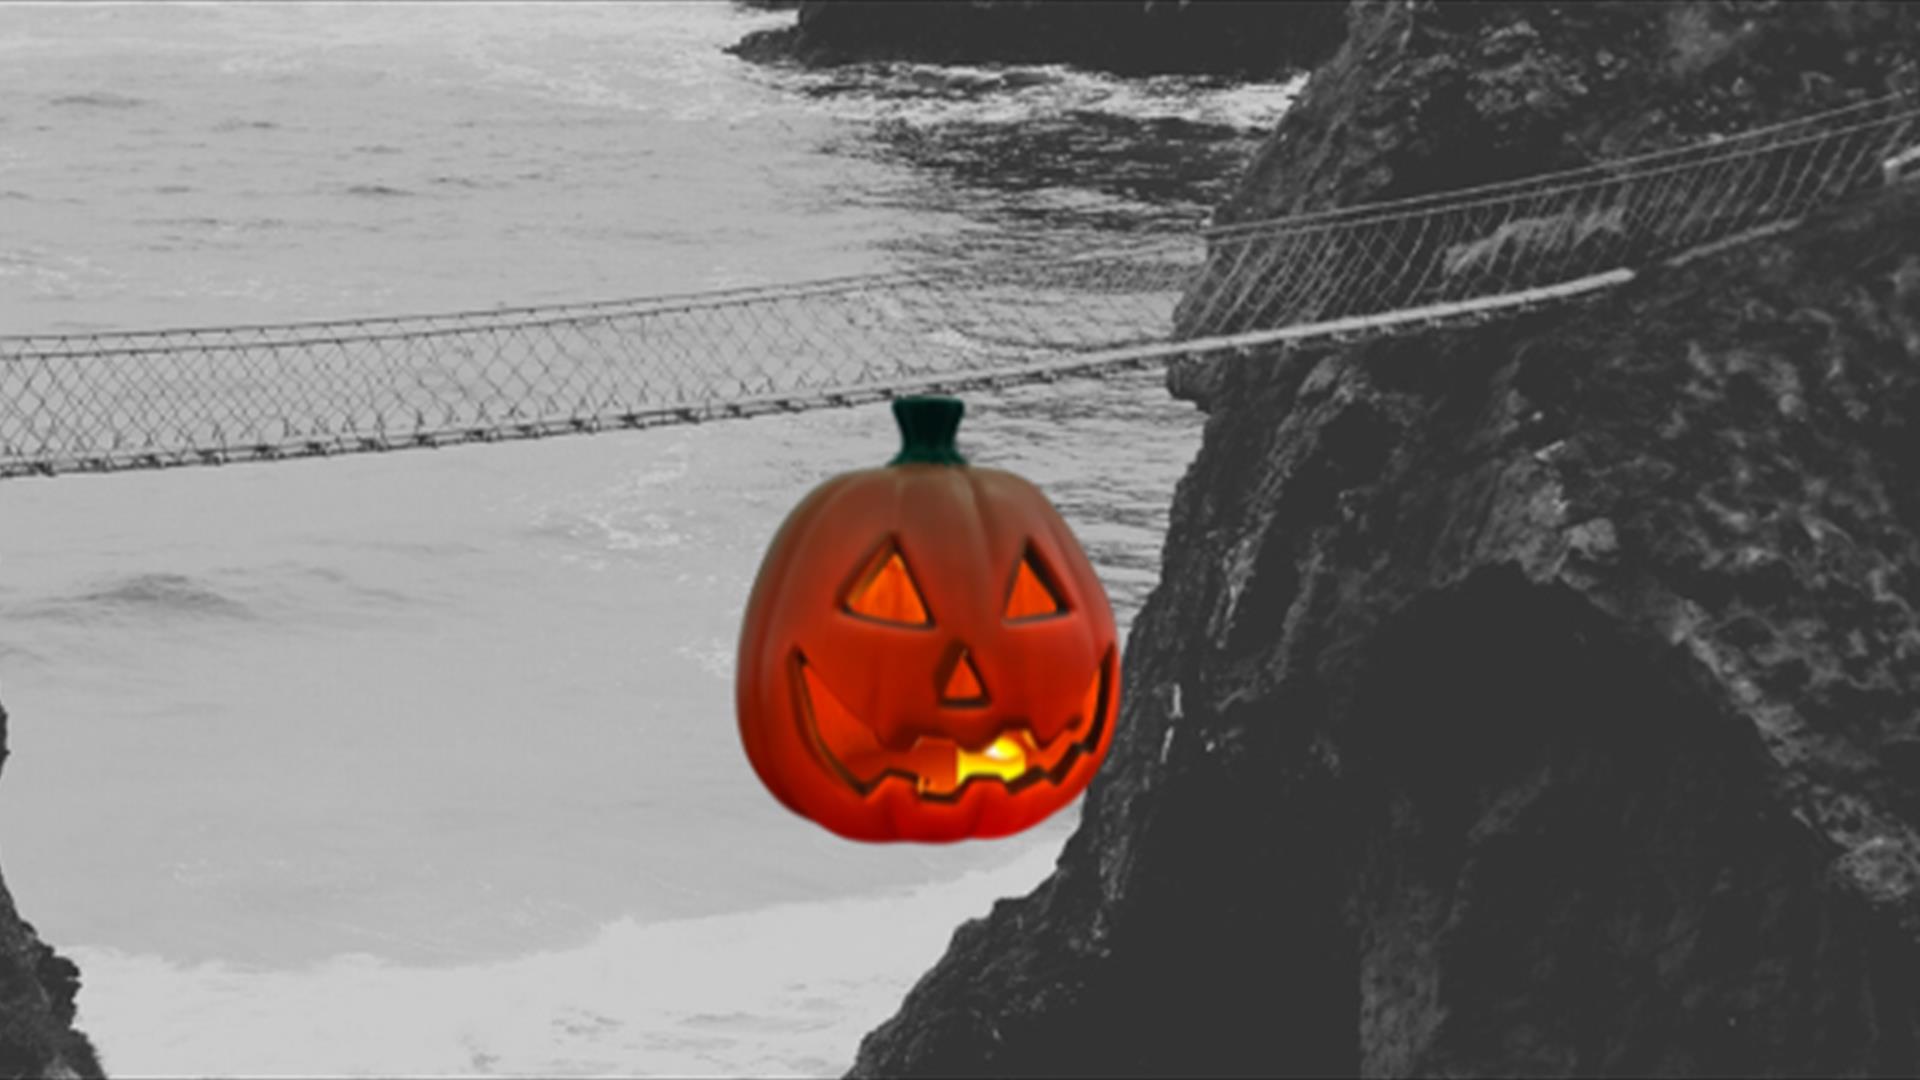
column 964, row 683
column 887, row 593
column 1032, row 597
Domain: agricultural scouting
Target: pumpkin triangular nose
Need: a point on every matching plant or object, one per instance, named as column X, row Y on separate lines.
column 963, row 684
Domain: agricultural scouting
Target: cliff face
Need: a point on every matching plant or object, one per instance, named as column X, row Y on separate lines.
column 37, row 990
column 1541, row 697
column 1138, row 37
column 1426, row 97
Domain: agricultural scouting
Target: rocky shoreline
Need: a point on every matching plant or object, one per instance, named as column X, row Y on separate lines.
column 37, row 991
column 1536, row 698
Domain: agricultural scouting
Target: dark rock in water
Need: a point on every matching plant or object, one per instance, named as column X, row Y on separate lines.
column 1535, row 698
column 37, row 991
column 1222, row 37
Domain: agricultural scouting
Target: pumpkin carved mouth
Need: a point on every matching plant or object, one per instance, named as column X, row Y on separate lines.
column 941, row 768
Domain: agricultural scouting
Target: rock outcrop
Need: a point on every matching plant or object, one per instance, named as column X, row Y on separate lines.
column 1535, row 698
column 1426, row 97
column 1223, row 37
column 37, row 991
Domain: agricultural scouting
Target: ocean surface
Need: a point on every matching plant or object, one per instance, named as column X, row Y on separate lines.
column 426, row 762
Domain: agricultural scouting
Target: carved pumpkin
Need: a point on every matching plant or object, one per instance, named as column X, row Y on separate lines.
column 927, row 654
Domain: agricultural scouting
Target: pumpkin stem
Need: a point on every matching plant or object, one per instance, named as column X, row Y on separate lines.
column 927, row 426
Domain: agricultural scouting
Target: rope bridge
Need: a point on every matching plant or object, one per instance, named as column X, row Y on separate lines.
column 149, row 399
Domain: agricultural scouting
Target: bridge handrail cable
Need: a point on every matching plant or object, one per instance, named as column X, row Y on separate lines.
column 148, row 398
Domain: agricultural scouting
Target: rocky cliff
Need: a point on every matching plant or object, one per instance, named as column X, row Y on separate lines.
column 1135, row 37
column 1536, row 698
column 37, row 991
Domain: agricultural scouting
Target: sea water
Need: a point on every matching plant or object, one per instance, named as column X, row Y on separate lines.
column 426, row 762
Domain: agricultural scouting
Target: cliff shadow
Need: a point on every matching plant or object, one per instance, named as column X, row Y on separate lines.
column 1571, row 861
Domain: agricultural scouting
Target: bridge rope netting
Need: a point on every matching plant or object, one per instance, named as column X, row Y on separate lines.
column 148, row 399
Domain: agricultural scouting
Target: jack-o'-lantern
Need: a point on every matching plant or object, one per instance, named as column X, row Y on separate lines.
column 927, row 654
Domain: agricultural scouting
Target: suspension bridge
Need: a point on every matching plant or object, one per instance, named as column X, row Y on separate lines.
column 156, row 398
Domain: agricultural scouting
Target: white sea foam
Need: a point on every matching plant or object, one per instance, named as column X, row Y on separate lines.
column 783, row 990
column 1022, row 93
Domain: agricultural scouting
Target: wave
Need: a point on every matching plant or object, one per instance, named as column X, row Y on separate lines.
column 619, row 517
column 150, row 594
column 786, row 990
column 10, row 652
column 98, row 99
column 218, row 224
column 381, row 191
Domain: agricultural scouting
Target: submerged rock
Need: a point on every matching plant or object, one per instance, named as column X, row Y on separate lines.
column 1534, row 698
column 37, row 991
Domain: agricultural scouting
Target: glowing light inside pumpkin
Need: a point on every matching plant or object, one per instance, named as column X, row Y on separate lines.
column 935, row 765
column 888, row 594
column 1030, row 598
column 1004, row 758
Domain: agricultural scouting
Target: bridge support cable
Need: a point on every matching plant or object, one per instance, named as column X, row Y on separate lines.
column 157, row 398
